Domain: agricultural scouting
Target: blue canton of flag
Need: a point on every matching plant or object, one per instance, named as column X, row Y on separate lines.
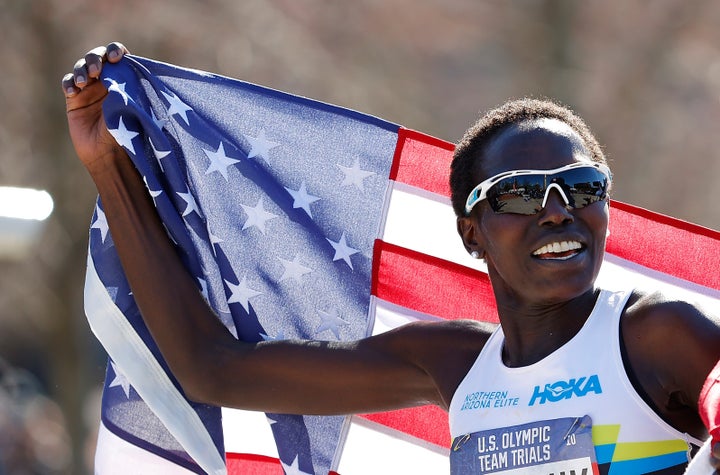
column 274, row 202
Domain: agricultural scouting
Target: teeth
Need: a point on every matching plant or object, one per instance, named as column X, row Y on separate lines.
column 558, row 247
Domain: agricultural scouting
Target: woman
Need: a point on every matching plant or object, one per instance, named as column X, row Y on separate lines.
column 530, row 188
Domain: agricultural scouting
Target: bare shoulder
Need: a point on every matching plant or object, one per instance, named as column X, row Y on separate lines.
column 671, row 345
column 445, row 350
column 660, row 316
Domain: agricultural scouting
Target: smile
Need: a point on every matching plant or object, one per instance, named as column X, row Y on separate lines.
column 558, row 250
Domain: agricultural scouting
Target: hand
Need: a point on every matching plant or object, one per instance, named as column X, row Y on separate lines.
column 84, row 95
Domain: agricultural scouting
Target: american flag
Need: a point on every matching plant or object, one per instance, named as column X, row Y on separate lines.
column 300, row 219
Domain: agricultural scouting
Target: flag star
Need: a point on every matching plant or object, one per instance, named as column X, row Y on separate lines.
column 260, row 146
column 213, row 239
column 241, row 293
column 330, row 320
column 159, row 154
column 302, row 199
column 119, row 88
column 293, row 270
column 257, row 216
column 355, row 175
column 177, row 106
column 113, row 293
column 124, row 136
column 203, row 288
column 100, row 223
column 278, row 337
column 153, row 193
column 191, row 203
column 342, row 250
column 120, row 380
column 219, row 161
column 159, row 123
column 293, row 469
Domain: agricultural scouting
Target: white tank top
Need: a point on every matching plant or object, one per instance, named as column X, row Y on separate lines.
column 574, row 410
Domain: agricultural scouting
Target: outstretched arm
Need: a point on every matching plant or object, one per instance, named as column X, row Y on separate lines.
column 387, row 371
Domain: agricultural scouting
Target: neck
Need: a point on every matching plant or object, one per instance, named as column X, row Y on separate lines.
column 534, row 330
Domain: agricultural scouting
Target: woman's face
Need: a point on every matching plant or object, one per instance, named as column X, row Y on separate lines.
column 515, row 246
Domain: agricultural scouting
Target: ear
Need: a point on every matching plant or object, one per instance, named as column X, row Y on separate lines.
column 468, row 229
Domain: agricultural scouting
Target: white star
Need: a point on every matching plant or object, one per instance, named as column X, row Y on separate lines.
column 257, row 216
column 293, row 469
column 120, row 380
column 241, row 293
column 354, row 175
column 153, row 193
column 100, row 223
column 159, row 154
column 191, row 203
column 212, row 238
column 119, row 88
column 330, row 321
column 294, row 270
column 112, row 292
column 301, row 198
column 124, row 136
column 203, row 288
column 219, row 161
column 159, row 123
column 342, row 250
column 280, row 336
column 260, row 146
column 177, row 106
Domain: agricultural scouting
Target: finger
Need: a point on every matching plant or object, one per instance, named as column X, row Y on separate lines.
column 80, row 74
column 115, row 51
column 68, row 85
column 94, row 61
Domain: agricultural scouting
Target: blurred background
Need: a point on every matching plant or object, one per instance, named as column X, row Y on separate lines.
column 645, row 75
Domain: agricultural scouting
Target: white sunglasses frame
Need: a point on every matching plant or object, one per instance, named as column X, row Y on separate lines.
column 479, row 193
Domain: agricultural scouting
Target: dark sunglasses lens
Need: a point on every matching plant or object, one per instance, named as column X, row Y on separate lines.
column 519, row 195
column 524, row 194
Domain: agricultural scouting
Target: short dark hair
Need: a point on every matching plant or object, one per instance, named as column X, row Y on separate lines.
column 469, row 152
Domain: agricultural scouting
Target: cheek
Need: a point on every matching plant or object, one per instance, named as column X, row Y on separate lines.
column 502, row 233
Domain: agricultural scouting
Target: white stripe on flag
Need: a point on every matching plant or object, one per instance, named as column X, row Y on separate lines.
column 129, row 352
column 113, row 455
column 248, row 432
column 425, row 222
column 374, row 448
column 389, row 316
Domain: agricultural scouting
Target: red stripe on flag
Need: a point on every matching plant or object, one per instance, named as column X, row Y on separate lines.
column 413, row 280
column 665, row 244
column 254, row 464
column 422, row 161
column 429, row 423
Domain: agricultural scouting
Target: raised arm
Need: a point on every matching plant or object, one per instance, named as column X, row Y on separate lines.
column 396, row 369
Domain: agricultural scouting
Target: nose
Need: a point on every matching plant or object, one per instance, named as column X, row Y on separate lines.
column 556, row 209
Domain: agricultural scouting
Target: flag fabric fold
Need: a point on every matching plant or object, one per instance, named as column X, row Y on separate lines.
column 300, row 219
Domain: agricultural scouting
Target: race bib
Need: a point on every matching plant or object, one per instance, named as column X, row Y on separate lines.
column 554, row 447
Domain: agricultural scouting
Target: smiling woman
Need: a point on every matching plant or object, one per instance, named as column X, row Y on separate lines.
column 576, row 377
column 22, row 215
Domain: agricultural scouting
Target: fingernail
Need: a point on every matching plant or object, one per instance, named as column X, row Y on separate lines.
column 80, row 79
column 93, row 69
column 112, row 54
column 70, row 90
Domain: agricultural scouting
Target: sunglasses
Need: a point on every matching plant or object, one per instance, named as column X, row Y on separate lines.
column 526, row 191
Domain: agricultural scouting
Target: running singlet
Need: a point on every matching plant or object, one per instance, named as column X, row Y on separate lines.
column 575, row 411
